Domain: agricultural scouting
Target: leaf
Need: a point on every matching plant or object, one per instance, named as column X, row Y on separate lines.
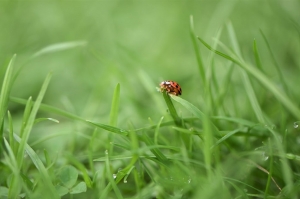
column 61, row 190
column 3, row 191
column 68, row 176
column 79, row 188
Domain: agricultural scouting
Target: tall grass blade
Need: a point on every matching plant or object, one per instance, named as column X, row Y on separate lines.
column 30, row 122
column 246, row 80
column 172, row 109
column 265, row 81
column 193, row 109
column 110, row 178
column 256, row 55
column 26, row 115
column 280, row 74
column 197, row 51
column 11, row 133
column 4, row 97
column 115, row 106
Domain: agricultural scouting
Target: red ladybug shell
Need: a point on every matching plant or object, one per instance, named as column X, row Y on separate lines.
column 171, row 87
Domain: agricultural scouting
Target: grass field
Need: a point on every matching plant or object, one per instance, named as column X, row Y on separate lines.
column 82, row 117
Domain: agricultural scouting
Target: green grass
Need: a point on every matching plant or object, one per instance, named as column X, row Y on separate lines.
column 81, row 117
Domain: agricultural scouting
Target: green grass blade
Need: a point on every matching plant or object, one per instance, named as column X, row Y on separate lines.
column 110, row 177
column 82, row 168
column 5, row 90
column 115, row 107
column 256, row 55
column 265, row 81
column 41, row 168
column 228, row 135
column 197, row 51
column 156, row 132
column 270, row 153
column 193, row 109
column 59, row 47
column 11, row 162
column 30, row 122
column 246, row 80
column 280, row 74
column 178, row 121
column 113, row 117
column 11, row 133
column 286, row 170
column 172, row 109
column 66, row 114
column 26, row 115
column 4, row 96
column 158, row 154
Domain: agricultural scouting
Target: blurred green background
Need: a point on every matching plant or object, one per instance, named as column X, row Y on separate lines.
column 137, row 44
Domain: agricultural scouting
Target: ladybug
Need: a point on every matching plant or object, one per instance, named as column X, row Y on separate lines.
column 170, row 87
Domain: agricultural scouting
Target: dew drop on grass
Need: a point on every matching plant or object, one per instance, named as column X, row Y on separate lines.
column 114, row 176
column 106, row 152
column 265, row 157
column 189, row 180
column 125, row 180
column 296, row 124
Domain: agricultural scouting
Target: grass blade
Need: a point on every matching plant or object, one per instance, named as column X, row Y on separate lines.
column 66, row 114
column 4, row 96
column 59, row 47
column 41, row 168
column 30, row 122
column 115, row 106
column 172, row 109
column 256, row 55
column 11, row 162
column 246, row 80
column 193, row 109
column 197, row 51
column 261, row 78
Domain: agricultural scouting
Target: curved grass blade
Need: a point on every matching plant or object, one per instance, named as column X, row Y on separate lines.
column 66, row 114
column 246, row 80
column 226, row 137
column 280, row 74
column 51, row 49
column 59, row 47
column 193, row 109
column 261, row 78
column 197, row 51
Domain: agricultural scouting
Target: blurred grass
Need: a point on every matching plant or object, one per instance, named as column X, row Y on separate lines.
column 232, row 132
